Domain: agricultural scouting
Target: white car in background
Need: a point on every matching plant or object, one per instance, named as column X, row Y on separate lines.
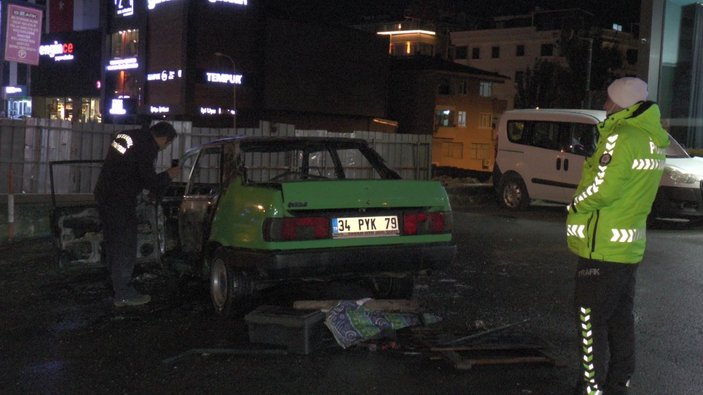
column 540, row 155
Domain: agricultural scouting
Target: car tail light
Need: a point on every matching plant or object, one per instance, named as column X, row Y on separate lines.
column 296, row 228
column 419, row 223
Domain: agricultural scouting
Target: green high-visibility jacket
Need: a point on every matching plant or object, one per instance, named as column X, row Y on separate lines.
column 608, row 214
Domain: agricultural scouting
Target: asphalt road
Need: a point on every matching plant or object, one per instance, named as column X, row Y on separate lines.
column 60, row 334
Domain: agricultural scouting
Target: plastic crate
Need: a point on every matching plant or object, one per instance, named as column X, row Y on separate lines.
column 300, row 331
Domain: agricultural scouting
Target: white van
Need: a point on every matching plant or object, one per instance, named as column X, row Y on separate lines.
column 540, row 155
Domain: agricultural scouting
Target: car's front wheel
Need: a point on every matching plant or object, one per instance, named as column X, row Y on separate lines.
column 231, row 290
column 513, row 193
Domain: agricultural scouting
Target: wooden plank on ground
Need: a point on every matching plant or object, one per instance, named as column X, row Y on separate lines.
column 398, row 305
column 466, row 359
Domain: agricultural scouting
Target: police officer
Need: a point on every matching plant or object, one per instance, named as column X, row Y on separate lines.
column 128, row 169
column 606, row 228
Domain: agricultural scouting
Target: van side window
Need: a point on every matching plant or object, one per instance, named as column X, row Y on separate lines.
column 545, row 135
column 516, row 132
column 576, row 138
column 580, row 139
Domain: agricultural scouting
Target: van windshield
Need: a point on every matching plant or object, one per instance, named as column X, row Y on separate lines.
column 675, row 150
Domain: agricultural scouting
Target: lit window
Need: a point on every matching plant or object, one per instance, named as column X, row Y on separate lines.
column 486, row 89
column 461, row 119
column 125, row 44
column 444, row 118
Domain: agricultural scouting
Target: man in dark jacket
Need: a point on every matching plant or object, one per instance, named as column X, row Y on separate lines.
column 128, row 169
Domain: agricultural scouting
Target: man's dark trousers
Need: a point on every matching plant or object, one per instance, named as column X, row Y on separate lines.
column 119, row 223
column 604, row 299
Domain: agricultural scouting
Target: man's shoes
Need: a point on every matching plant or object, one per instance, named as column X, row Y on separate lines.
column 136, row 300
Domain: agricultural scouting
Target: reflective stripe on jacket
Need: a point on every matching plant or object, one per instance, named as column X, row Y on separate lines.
column 608, row 215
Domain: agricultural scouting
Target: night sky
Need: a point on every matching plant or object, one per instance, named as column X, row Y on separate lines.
column 623, row 12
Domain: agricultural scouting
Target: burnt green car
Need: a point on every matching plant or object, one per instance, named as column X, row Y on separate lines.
column 254, row 212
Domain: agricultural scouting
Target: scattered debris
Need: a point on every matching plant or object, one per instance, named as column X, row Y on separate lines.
column 487, row 347
column 383, row 325
column 483, row 333
column 228, row 351
column 352, row 323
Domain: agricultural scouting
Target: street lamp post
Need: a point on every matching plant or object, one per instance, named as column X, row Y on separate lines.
column 234, row 89
column 588, row 70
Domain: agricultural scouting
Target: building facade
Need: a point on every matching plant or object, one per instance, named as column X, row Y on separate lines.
column 430, row 94
column 235, row 62
column 512, row 45
column 452, row 102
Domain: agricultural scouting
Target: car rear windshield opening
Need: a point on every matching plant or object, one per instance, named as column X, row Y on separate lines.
column 311, row 162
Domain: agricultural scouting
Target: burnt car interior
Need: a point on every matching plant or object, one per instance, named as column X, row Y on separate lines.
column 75, row 223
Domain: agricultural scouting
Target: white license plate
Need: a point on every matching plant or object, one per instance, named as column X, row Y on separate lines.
column 365, row 226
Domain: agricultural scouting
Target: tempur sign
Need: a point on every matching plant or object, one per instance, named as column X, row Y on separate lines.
column 224, row 78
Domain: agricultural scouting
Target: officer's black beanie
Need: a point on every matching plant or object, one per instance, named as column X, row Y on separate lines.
column 163, row 129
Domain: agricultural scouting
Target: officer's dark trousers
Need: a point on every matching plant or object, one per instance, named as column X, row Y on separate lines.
column 119, row 224
column 604, row 299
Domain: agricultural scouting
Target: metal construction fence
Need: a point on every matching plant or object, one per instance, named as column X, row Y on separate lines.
column 27, row 147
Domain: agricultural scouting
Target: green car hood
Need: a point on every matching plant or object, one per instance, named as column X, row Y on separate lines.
column 344, row 194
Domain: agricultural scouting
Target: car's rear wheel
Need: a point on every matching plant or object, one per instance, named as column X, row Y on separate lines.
column 393, row 287
column 513, row 193
column 231, row 290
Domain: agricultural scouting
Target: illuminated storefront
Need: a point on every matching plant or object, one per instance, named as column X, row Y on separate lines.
column 19, row 104
column 123, row 74
column 67, row 85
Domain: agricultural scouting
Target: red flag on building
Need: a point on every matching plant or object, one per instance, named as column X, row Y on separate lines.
column 60, row 16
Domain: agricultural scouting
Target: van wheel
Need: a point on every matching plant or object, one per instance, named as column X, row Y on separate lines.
column 513, row 193
column 231, row 290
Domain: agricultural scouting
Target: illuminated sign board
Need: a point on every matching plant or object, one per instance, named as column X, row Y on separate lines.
column 238, row 2
column 159, row 109
column 57, row 51
column 117, row 107
column 22, row 34
column 214, row 111
column 151, row 4
column 11, row 90
column 124, row 7
column 122, row 64
column 164, row 75
column 223, row 78
column 401, row 32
